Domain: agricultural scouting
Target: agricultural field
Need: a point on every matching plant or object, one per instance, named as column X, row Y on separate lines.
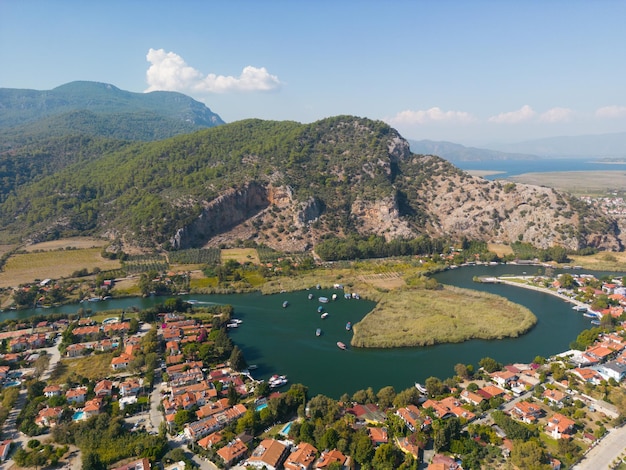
column 499, row 249
column 78, row 243
column 138, row 264
column 603, row 261
column 23, row 268
column 5, row 249
column 195, row 256
column 241, row 255
column 588, row 183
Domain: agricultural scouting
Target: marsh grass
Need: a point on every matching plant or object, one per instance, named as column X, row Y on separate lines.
column 419, row 317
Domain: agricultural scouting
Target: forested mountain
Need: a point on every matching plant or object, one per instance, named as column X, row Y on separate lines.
column 18, row 106
column 42, row 132
column 287, row 185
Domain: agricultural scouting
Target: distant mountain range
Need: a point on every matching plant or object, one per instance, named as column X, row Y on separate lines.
column 459, row 153
column 92, row 108
column 593, row 145
column 609, row 146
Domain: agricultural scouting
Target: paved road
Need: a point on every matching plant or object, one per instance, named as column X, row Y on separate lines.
column 605, row 452
column 155, row 416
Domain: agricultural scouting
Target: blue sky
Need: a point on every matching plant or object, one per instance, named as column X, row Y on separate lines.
column 471, row 72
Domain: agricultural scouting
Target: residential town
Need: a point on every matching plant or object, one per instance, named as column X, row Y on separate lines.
column 172, row 383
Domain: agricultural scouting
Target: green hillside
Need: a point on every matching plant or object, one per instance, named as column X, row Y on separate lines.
column 18, row 106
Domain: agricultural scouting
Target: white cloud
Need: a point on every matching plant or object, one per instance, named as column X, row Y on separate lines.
column 169, row 71
column 611, row 112
column 429, row 116
column 555, row 115
column 525, row 113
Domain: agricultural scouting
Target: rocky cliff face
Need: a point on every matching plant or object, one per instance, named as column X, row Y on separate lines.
column 440, row 201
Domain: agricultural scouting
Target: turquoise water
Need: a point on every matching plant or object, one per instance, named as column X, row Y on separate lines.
column 78, row 415
column 285, row 430
column 282, row 340
column 12, row 383
column 260, row 407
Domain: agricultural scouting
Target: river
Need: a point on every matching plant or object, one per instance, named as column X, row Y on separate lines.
column 282, row 340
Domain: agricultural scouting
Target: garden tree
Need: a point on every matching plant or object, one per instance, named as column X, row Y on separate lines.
column 133, row 326
column 387, row 457
column 472, row 387
column 434, row 387
column 345, row 399
column 410, row 396
column 461, row 371
column 236, row 360
column 529, row 455
column 600, row 302
column 539, row 360
column 362, row 447
column 567, row 281
column 445, row 431
column 557, row 370
column 306, row 432
column 183, row 417
column 233, row 396
column 262, row 389
column 569, row 449
column 385, row 396
column 323, row 408
column 490, row 365
column 364, row 396
column 329, row 439
column 91, row 461
column 513, row 429
column 249, row 422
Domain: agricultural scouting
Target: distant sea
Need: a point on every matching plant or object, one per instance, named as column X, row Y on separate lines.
column 517, row 167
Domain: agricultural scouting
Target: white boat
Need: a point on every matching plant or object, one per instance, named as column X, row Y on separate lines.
column 580, row 308
column 324, row 315
column 318, row 332
column 276, row 381
column 334, row 296
column 341, row 345
column 310, row 296
column 324, row 300
column 285, row 304
column 420, row 388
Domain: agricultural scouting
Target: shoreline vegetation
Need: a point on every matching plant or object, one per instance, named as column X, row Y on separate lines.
column 409, row 311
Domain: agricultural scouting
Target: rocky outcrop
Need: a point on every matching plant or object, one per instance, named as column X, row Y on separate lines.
column 221, row 214
column 381, row 217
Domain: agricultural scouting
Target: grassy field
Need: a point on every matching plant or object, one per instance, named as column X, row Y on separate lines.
column 78, row 243
column 6, row 248
column 26, row 267
column 241, row 255
column 603, row 261
column 577, row 182
column 417, row 317
column 499, row 249
column 93, row 367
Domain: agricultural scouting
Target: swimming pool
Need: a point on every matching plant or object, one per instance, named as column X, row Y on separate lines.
column 261, row 406
column 12, row 383
column 78, row 415
column 285, row 430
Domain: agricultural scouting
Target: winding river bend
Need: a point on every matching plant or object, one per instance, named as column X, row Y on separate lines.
column 281, row 340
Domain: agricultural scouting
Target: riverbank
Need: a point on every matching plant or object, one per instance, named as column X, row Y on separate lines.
column 509, row 281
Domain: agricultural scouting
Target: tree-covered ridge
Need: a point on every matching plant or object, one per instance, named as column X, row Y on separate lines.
column 282, row 184
column 23, row 106
column 161, row 186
